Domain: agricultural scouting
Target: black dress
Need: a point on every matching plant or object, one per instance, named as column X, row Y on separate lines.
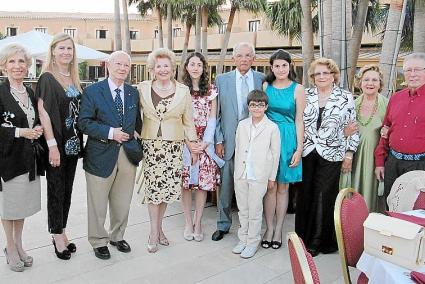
column 63, row 107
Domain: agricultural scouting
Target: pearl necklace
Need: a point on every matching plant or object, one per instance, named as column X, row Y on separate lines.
column 17, row 91
column 63, row 74
column 170, row 86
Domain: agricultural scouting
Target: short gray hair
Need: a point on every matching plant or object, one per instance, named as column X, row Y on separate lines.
column 243, row 44
column 414, row 56
column 12, row 49
column 116, row 53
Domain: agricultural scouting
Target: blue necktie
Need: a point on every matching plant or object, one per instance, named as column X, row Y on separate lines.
column 244, row 95
column 119, row 105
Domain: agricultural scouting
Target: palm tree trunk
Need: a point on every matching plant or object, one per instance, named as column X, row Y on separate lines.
column 327, row 28
column 160, row 30
column 418, row 27
column 336, row 32
column 185, row 48
column 198, row 29
column 307, row 45
column 127, row 46
column 389, row 44
column 205, row 31
column 346, row 15
column 356, row 39
column 226, row 39
column 117, row 26
column 170, row 26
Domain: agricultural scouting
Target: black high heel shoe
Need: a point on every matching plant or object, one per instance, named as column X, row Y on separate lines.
column 65, row 255
column 71, row 247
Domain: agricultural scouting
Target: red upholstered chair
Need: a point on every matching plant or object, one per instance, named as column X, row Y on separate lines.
column 420, row 202
column 303, row 267
column 349, row 214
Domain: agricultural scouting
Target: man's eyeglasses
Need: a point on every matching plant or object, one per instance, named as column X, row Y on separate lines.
column 411, row 70
column 257, row 105
column 324, row 74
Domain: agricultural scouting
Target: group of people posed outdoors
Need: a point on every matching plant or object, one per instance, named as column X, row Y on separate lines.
column 247, row 134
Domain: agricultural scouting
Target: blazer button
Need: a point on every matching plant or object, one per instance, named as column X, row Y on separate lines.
column 243, row 162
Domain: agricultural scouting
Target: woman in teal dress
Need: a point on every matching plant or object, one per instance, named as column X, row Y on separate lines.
column 286, row 107
column 370, row 109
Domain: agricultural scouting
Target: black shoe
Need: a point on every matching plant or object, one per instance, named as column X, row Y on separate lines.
column 265, row 244
column 102, row 252
column 276, row 244
column 65, row 255
column 218, row 235
column 71, row 247
column 313, row 250
column 122, row 246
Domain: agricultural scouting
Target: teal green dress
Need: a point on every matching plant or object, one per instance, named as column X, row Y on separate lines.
column 282, row 111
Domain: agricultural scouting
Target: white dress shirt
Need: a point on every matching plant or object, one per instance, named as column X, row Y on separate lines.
column 250, row 81
column 113, row 87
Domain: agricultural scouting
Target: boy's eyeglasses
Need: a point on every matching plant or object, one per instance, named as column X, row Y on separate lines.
column 257, row 105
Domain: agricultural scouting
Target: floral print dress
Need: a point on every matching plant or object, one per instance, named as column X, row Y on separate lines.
column 208, row 172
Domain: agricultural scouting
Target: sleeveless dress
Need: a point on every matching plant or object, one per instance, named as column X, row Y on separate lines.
column 282, row 110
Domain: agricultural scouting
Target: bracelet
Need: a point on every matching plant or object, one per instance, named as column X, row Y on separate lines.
column 350, row 158
column 17, row 132
column 51, row 142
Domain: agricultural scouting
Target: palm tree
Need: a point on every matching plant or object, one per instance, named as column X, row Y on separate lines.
column 325, row 12
column 254, row 6
column 389, row 46
column 418, row 27
column 117, row 26
column 307, row 45
column 170, row 26
column 198, row 27
column 127, row 46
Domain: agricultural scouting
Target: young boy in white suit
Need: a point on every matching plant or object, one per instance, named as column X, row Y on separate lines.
column 256, row 162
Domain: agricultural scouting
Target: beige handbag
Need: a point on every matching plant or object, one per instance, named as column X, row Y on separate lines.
column 394, row 240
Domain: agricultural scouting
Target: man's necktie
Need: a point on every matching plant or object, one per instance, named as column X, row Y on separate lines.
column 119, row 105
column 244, row 96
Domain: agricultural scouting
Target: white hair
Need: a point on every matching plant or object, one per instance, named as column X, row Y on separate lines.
column 243, row 44
column 116, row 53
column 414, row 56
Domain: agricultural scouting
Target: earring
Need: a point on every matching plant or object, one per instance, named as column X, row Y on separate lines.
column 54, row 61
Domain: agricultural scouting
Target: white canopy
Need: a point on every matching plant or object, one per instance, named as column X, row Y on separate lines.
column 37, row 44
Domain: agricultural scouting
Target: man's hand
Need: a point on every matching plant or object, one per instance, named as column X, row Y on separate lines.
column 379, row 173
column 219, row 150
column 120, row 136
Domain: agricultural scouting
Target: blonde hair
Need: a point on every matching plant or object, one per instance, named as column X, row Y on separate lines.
column 12, row 49
column 161, row 53
column 366, row 68
column 329, row 63
column 49, row 65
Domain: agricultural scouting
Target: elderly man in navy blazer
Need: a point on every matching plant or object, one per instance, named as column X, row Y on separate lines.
column 110, row 116
column 233, row 88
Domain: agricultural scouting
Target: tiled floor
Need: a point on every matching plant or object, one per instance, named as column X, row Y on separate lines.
column 182, row 262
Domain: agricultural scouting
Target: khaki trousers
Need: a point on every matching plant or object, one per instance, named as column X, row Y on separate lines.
column 117, row 190
column 249, row 197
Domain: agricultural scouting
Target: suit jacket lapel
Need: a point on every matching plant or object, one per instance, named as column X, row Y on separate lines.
column 261, row 127
column 258, row 82
column 178, row 96
column 106, row 93
column 127, row 101
column 231, row 84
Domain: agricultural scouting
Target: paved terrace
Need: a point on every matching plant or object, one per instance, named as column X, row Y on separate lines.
column 181, row 262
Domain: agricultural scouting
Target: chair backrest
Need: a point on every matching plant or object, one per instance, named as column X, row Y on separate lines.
column 303, row 267
column 420, row 202
column 349, row 215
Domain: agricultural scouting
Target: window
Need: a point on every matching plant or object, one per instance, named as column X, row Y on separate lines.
column 254, row 25
column 155, row 33
column 96, row 72
column 12, row 31
column 134, row 34
column 70, row 32
column 41, row 30
column 177, row 32
column 101, row 33
column 222, row 28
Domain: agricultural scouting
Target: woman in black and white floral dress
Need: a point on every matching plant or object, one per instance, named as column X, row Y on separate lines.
column 326, row 153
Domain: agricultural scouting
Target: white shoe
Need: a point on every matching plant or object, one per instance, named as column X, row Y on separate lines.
column 187, row 235
column 198, row 237
column 239, row 248
column 249, row 251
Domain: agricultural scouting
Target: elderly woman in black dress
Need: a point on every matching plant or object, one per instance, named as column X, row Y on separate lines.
column 19, row 166
column 59, row 94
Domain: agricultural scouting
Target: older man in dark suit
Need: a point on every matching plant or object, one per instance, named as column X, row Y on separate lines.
column 110, row 116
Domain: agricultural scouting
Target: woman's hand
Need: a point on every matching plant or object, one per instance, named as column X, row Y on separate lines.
column 54, row 156
column 384, row 131
column 347, row 165
column 271, row 184
column 295, row 159
column 31, row 134
column 351, row 128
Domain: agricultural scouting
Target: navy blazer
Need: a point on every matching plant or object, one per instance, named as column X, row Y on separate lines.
column 97, row 115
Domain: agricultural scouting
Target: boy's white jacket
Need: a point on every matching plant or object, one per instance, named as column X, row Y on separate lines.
column 265, row 150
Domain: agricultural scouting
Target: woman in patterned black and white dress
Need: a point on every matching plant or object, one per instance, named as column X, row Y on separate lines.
column 326, row 153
